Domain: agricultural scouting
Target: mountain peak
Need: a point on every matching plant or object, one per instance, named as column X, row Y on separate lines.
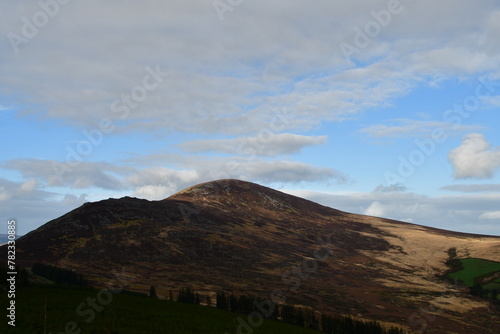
column 215, row 188
column 223, row 187
column 248, row 196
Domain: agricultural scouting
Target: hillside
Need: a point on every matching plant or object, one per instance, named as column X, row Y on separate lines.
column 241, row 237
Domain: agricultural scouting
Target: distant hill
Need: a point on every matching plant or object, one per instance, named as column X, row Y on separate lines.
column 4, row 238
column 243, row 238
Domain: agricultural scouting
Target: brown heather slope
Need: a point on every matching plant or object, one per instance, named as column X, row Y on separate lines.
column 244, row 238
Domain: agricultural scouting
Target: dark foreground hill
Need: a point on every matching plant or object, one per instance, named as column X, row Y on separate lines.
column 243, row 238
column 49, row 309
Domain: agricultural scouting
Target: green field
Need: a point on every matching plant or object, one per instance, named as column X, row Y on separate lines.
column 124, row 314
column 495, row 285
column 476, row 271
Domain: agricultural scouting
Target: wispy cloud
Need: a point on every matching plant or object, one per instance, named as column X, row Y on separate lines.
column 490, row 215
column 397, row 187
column 266, row 144
column 473, row 188
column 414, row 128
column 87, row 175
column 493, row 101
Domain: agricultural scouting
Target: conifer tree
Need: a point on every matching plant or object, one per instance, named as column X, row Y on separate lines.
column 221, row 301
column 152, row 292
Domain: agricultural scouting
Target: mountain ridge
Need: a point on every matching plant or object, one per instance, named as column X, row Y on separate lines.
column 241, row 237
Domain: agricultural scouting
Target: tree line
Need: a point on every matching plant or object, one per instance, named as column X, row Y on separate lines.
column 492, row 295
column 290, row 314
column 58, row 275
column 189, row 296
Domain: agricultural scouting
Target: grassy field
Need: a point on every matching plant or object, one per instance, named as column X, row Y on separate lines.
column 83, row 310
column 473, row 271
column 495, row 285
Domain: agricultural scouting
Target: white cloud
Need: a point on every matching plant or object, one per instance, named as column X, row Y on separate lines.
column 20, row 190
column 490, row 215
column 153, row 192
column 159, row 181
column 162, row 175
column 375, row 209
column 474, row 158
column 28, row 186
column 244, row 168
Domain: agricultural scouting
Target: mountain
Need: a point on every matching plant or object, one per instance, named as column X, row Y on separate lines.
column 244, row 238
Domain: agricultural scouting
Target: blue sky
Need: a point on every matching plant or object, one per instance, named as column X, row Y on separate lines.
column 385, row 108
